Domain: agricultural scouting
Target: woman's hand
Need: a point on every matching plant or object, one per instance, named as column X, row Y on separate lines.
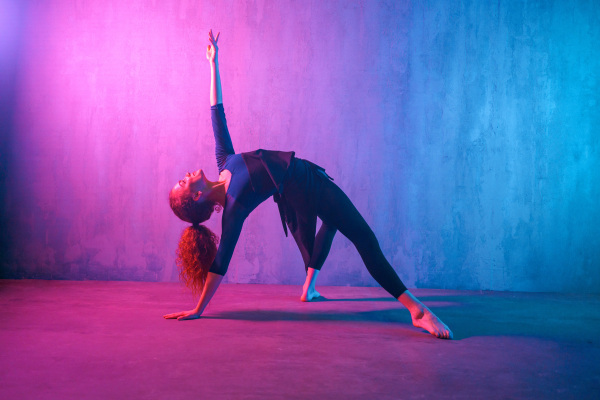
column 191, row 314
column 212, row 49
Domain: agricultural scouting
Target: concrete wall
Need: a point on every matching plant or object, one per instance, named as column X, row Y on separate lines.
column 465, row 132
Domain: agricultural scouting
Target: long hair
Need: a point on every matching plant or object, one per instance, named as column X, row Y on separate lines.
column 198, row 245
column 195, row 253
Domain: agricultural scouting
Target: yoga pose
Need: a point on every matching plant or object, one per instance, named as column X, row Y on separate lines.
column 303, row 192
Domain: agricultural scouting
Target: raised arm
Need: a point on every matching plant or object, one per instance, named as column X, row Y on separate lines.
column 212, row 55
column 223, row 144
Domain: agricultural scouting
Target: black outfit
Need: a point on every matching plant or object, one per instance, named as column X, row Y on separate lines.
column 303, row 191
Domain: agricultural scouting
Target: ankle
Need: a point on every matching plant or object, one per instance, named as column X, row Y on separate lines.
column 414, row 306
column 309, row 288
column 417, row 312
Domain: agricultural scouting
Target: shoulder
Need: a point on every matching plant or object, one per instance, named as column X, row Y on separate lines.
column 225, row 175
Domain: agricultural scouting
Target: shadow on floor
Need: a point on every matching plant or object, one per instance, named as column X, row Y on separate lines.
column 322, row 299
column 538, row 315
column 399, row 315
column 467, row 315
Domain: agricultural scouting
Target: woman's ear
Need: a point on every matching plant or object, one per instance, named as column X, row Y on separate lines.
column 197, row 196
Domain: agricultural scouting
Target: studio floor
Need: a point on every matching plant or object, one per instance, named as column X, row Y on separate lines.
column 108, row 340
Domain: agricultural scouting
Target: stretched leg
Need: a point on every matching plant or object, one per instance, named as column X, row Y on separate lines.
column 337, row 210
column 320, row 251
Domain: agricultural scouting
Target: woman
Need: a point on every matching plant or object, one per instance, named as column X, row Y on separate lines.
column 303, row 192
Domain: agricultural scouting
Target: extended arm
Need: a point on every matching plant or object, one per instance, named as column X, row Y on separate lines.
column 232, row 221
column 216, row 95
column 223, row 144
column 210, row 287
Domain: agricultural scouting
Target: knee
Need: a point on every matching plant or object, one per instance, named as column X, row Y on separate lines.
column 329, row 229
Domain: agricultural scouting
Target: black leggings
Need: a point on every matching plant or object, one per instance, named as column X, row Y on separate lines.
column 338, row 213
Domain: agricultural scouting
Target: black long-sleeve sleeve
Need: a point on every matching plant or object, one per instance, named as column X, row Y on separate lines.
column 232, row 222
column 223, row 144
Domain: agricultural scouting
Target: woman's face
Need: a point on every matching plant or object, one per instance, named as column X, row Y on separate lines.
column 193, row 183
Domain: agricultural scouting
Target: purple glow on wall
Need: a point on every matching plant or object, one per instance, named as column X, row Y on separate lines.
column 9, row 28
column 464, row 133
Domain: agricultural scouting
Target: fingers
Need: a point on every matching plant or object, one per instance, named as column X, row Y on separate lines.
column 182, row 315
column 211, row 37
column 173, row 315
column 188, row 316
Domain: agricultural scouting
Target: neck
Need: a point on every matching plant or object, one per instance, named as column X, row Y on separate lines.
column 220, row 187
column 220, row 193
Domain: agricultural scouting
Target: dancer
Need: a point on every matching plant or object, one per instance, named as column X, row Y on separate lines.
column 303, row 192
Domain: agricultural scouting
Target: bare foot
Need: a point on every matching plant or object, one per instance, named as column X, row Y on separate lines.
column 309, row 294
column 427, row 320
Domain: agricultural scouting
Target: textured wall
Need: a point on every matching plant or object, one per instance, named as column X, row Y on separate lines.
column 465, row 132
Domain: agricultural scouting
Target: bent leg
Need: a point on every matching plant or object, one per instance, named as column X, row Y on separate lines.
column 320, row 252
column 322, row 246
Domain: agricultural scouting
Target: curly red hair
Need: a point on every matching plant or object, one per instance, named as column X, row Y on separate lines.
column 198, row 245
column 196, row 251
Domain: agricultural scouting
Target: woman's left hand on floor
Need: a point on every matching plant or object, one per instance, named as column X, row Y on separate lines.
column 191, row 314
